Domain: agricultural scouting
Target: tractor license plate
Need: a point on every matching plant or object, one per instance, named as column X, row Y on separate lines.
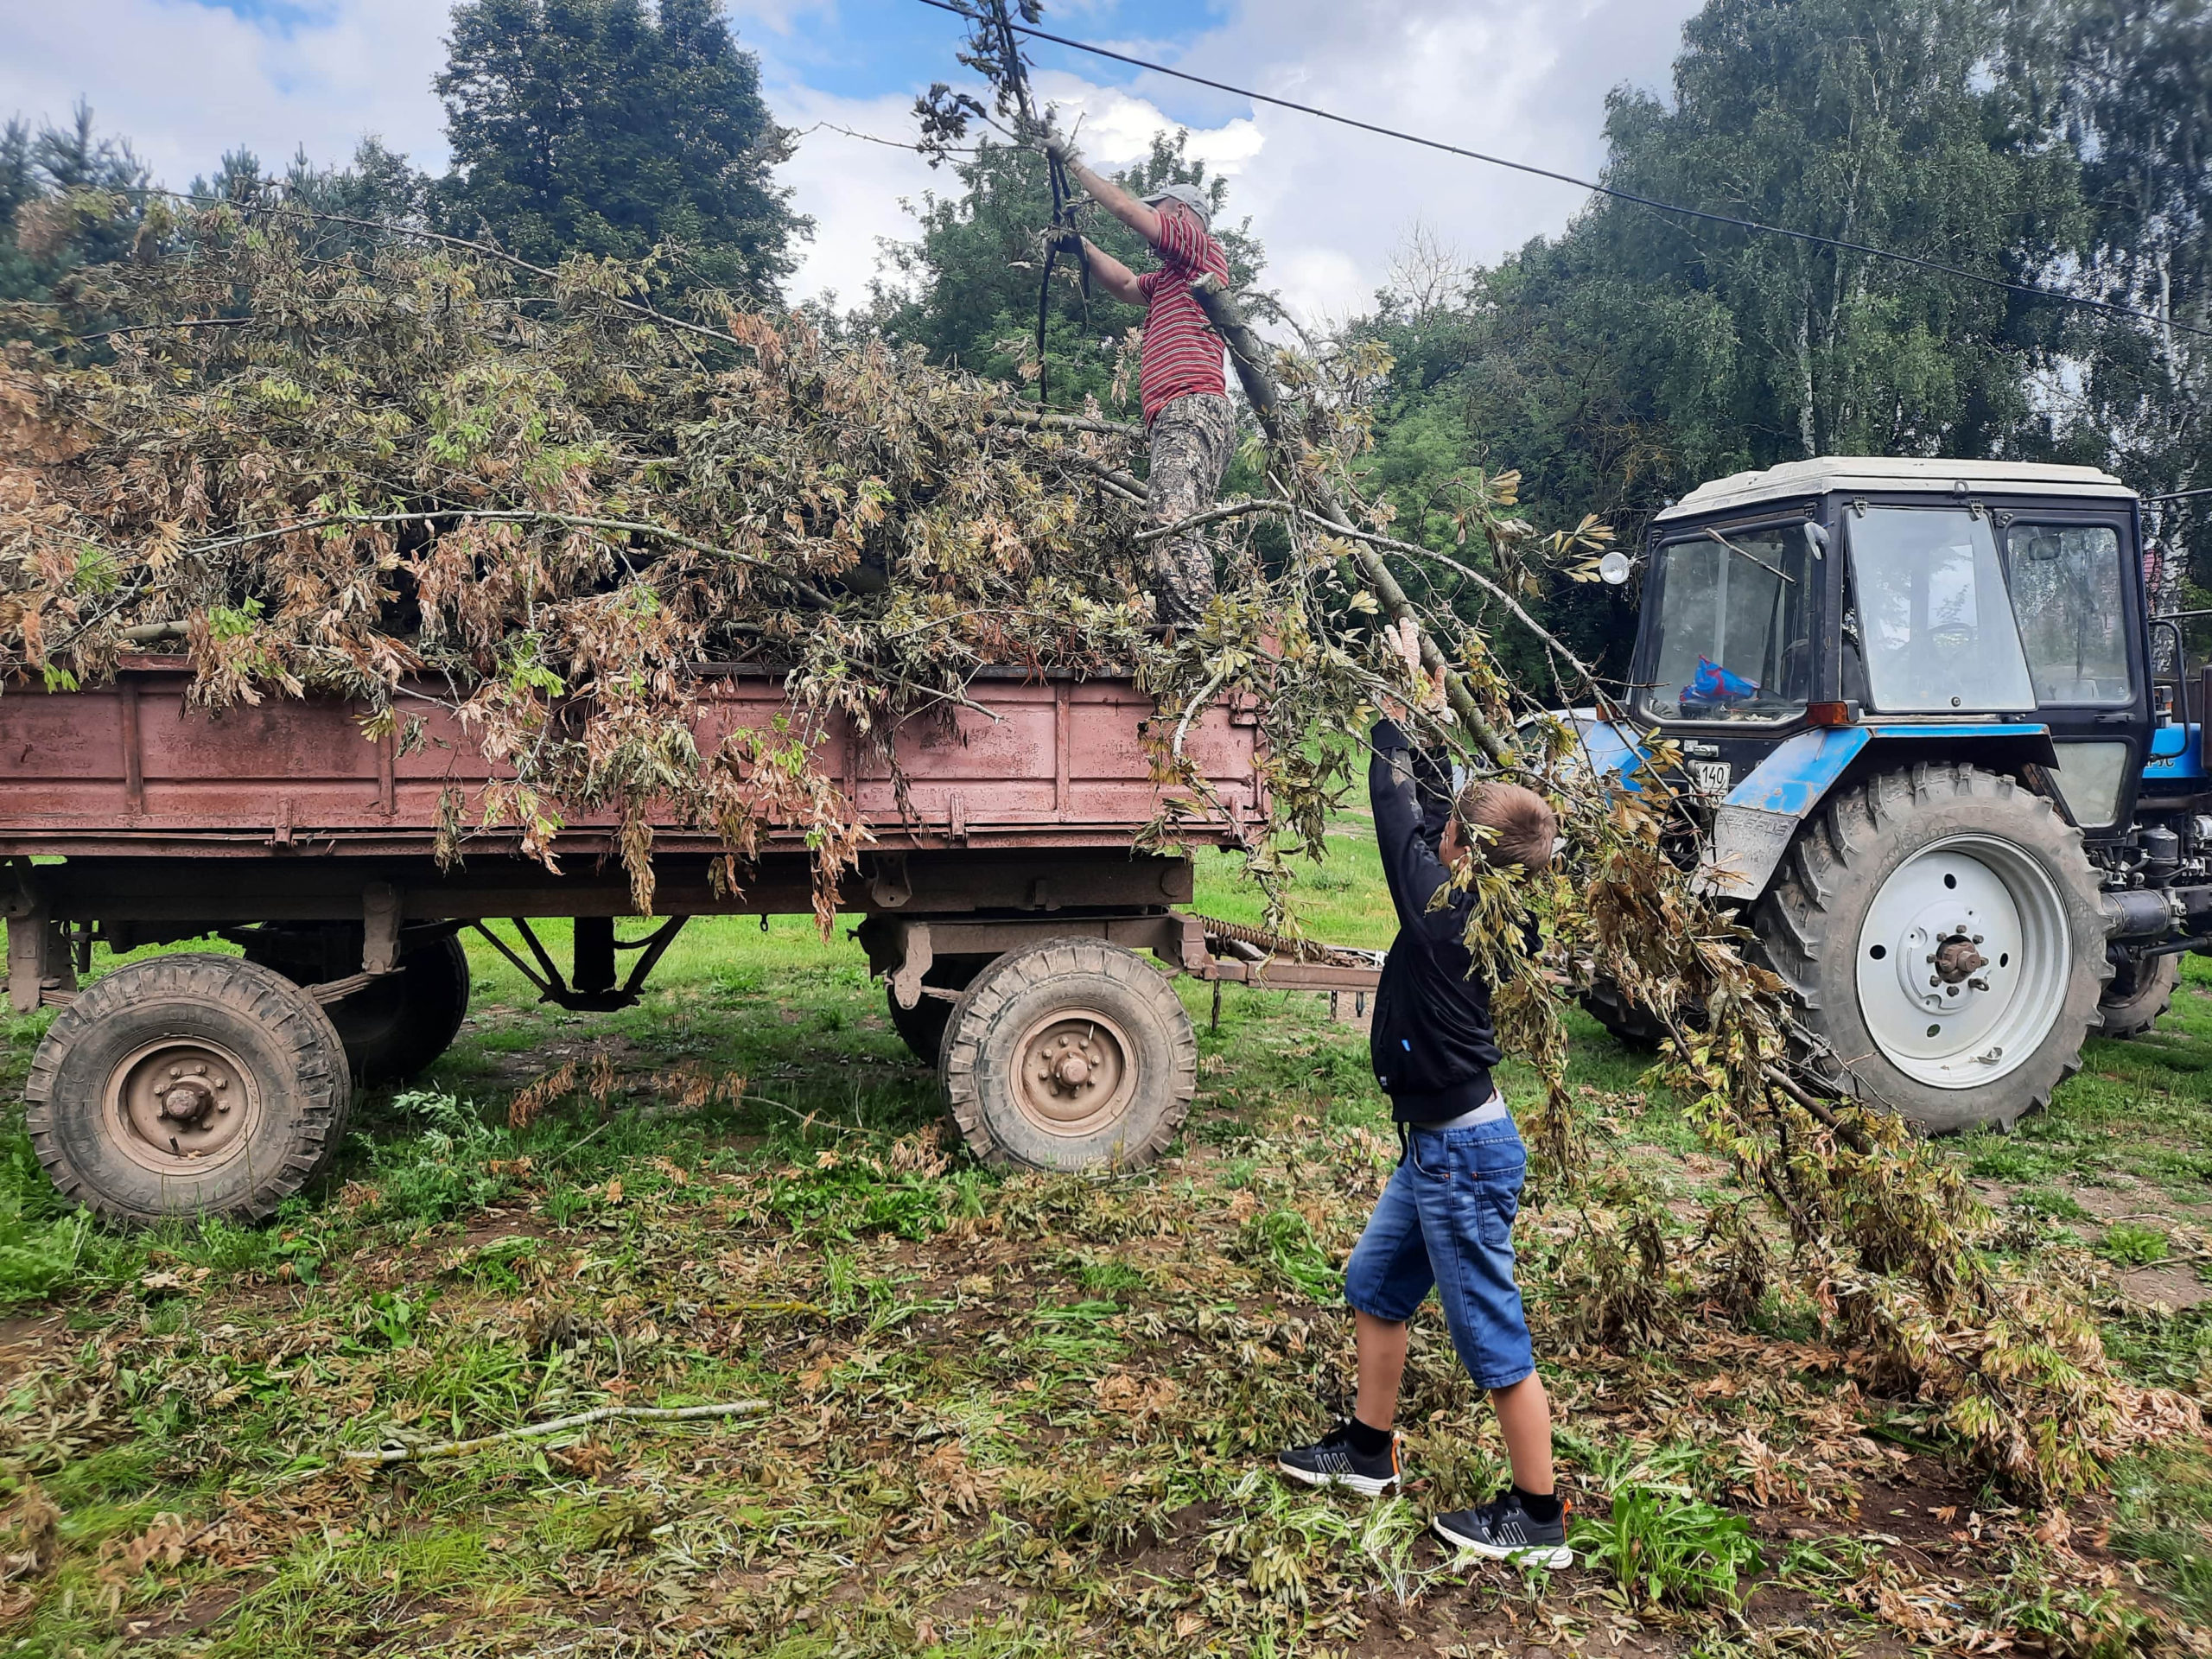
column 1712, row 777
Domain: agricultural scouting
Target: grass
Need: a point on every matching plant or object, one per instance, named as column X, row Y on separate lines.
column 1665, row 1550
column 1009, row 1414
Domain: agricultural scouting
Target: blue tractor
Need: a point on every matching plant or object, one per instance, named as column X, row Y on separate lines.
column 1944, row 758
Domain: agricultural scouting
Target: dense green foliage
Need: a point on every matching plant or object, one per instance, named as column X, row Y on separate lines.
column 1623, row 362
column 592, row 127
column 64, row 202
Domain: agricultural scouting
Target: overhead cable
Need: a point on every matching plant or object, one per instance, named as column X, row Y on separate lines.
column 1617, row 193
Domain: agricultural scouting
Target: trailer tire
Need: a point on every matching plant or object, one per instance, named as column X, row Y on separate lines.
column 395, row 1029
column 1866, row 913
column 922, row 1027
column 1071, row 1054
column 2139, row 993
column 167, row 1049
column 1628, row 1025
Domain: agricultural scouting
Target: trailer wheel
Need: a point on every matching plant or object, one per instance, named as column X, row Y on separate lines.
column 922, row 1027
column 399, row 1025
column 2140, row 991
column 1942, row 931
column 1070, row 1054
column 187, row 1086
column 1628, row 1025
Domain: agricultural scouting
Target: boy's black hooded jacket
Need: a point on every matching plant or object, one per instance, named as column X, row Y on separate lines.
column 1433, row 1043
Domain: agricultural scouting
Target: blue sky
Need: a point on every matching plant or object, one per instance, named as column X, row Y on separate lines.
column 186, row 79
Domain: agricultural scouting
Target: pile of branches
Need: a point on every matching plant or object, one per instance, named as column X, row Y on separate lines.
column 421, row 459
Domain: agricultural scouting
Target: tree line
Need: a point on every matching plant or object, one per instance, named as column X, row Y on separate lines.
column 2055, row 143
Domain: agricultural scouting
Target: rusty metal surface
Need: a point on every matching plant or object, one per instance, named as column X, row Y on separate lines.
column 131, row 768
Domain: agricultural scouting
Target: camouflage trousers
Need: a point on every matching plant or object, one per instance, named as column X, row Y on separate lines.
column 1192, row 442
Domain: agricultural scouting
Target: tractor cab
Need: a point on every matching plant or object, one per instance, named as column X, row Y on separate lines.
column 1914, row 701
column 1994, row 610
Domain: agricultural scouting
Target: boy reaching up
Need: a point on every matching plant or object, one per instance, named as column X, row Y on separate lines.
column 1446, row 1219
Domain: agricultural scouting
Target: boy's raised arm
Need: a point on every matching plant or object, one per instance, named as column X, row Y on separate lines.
column 1410, row 792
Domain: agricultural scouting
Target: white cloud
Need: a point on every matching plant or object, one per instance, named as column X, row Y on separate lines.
column 1519, row 79
column 186, row 82
column 851, row 187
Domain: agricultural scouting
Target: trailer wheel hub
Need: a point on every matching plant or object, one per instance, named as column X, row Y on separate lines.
column 1963, row 959
column 1075, row 1072
column 182, row 1101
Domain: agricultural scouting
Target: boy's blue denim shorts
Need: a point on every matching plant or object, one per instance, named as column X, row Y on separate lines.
column 1447, row 1219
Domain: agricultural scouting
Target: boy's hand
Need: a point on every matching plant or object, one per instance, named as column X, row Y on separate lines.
column 1405, row 641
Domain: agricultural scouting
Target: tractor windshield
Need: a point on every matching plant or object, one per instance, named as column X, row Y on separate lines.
column 2066, row 591
column 1935, row 631
column 1734, row 627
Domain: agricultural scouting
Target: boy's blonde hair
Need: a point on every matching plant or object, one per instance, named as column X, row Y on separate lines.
column 1523, row 827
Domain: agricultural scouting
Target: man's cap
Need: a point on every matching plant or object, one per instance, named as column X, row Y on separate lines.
column 1189, row 195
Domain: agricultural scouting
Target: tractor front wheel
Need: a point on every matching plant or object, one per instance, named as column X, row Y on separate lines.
column 1942, row 931
column 2140, row 991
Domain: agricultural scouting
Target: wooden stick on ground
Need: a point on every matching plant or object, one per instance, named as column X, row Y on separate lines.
column 1249, row 355
column 559, row 1425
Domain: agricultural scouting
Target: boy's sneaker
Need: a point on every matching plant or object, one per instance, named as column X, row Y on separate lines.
column 1503, row 1531
column 1333, row 1461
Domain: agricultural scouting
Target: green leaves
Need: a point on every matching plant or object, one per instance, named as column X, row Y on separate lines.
column 1669, row 1551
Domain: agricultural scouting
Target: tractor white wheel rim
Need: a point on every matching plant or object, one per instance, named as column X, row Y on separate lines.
column 1963, row 962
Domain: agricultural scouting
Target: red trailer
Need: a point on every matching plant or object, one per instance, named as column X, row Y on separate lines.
column 1002, row 904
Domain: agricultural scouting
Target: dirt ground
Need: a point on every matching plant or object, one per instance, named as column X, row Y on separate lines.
column 981, row 1414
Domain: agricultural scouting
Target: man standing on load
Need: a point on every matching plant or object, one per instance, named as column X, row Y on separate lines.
column 1180, row 378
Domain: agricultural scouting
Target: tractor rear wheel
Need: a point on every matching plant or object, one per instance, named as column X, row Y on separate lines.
column 1068, row 1055
column 1942, row 931
column 2140, row 991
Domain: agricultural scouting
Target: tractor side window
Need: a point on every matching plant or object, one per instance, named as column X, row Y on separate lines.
column 1735, row 627
column 2066, row 592
column 1935, row 619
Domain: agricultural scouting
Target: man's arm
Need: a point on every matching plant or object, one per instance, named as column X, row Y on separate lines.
column 1110, row 274
column 1115, row 200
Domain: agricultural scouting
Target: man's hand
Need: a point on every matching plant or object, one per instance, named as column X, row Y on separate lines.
column 1040, row 134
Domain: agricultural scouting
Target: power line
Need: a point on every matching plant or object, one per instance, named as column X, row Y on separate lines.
column 1618, row 195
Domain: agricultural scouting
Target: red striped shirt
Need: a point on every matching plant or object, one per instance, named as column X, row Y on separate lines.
column 1182, row 355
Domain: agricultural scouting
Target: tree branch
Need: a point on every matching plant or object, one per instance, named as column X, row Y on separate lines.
column 1471, row 574
column 1250, row 356
column 390, row 1454
column 1041, row 421
column 525, row 515
column 1214, row 515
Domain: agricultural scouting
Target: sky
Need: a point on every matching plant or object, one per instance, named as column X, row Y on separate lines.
column 186, row 79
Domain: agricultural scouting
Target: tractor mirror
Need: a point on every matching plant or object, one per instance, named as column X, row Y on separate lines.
column 1614, row 568
column 1817, row 539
